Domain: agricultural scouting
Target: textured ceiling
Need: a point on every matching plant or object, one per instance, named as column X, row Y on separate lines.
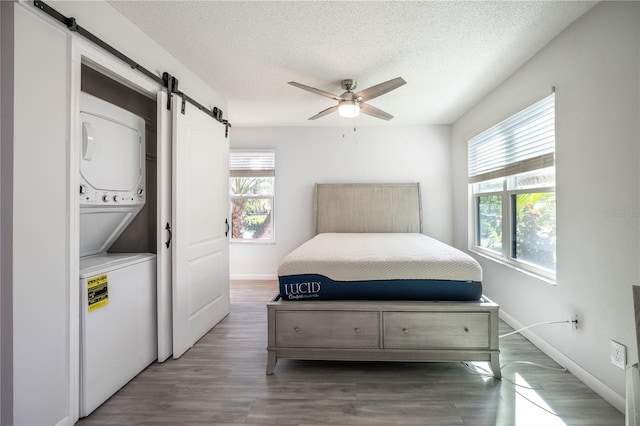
column 450, row 53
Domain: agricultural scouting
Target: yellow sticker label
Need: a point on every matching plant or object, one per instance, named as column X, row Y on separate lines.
column 98, row 292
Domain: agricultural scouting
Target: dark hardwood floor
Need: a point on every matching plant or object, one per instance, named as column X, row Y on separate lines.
column 221, row 380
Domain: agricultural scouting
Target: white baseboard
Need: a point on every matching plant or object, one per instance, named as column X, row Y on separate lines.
column 254, row 277
column 63, row 422
column 611, row 396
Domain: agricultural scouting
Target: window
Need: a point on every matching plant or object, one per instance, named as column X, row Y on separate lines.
column 251, row 192
column 512, row 181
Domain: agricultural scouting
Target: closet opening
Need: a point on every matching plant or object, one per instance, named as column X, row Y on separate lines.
column 118, row 198
column 140, row 236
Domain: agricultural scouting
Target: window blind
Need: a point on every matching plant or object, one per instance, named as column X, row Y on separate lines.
column 252, row 164
column 523, row 142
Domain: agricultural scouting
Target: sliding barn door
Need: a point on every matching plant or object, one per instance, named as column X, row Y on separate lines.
column 200, row 282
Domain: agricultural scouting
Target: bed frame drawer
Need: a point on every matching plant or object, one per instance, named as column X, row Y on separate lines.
column 441, row 330
column 403, row 331
column 326, row 329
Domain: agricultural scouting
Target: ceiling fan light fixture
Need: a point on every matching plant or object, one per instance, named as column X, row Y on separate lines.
column 349, row 109
column 350, row 104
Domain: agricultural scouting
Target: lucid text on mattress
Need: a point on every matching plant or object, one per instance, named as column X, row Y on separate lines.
column 302, row 290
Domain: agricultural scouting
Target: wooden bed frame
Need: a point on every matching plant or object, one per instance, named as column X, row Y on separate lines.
column 379, row 330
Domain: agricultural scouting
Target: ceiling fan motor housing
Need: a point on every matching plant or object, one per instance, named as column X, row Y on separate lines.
column 349, row 84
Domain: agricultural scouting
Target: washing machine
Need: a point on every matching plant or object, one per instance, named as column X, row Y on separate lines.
column 118, row 327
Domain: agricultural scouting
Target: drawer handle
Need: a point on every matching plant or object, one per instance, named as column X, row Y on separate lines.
column 297, row 329
column 405, row 330
column 466, row 329
column 357, row 330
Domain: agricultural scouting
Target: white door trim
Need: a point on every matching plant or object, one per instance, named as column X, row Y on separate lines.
column 164, row 255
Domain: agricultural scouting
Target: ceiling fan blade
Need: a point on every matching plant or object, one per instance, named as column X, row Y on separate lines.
column 324, row 112
column 380, row 89
column 375, row 112
column 316, row 91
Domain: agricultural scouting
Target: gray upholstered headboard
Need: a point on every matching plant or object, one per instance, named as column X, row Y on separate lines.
column 369, row 207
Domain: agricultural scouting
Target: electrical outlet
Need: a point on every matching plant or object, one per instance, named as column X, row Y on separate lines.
column 618, row 354
column 576, row 322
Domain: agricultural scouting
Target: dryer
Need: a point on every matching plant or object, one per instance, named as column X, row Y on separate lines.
column 118, row 331
column 112, row 172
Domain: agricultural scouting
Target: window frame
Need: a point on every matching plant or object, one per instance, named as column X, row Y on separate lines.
column 271, row 197
column 499, row 176
column 508, row 229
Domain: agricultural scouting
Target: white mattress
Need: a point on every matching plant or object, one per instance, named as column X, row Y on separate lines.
column 389, row 256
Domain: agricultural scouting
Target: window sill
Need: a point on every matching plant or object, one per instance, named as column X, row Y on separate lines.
column 543, row 278
column 252, row 242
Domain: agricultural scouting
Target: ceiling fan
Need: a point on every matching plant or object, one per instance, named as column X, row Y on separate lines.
column 351, row 104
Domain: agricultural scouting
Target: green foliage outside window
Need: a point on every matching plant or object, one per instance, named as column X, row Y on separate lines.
column 251, row 217
column 535, row 224
column 490, row 222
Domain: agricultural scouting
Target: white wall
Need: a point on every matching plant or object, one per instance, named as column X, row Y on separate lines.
column 40, row 268
column 42, row 196
column 594, row 64
column 309, row 155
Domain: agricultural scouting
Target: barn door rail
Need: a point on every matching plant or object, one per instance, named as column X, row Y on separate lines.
column 169, row 82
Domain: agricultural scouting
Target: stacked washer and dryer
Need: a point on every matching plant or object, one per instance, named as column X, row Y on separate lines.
column 118, row 328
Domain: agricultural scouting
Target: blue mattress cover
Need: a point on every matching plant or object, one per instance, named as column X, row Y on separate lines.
column 319, row 287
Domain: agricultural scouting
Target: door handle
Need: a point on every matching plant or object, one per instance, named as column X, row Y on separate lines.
column 168, row 229
column 226, row 222
column 88, row 141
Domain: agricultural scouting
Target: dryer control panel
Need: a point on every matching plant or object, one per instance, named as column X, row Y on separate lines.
column 92, row 197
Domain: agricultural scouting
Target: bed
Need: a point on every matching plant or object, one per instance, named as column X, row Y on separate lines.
column 370, row 286
column 379, row 266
